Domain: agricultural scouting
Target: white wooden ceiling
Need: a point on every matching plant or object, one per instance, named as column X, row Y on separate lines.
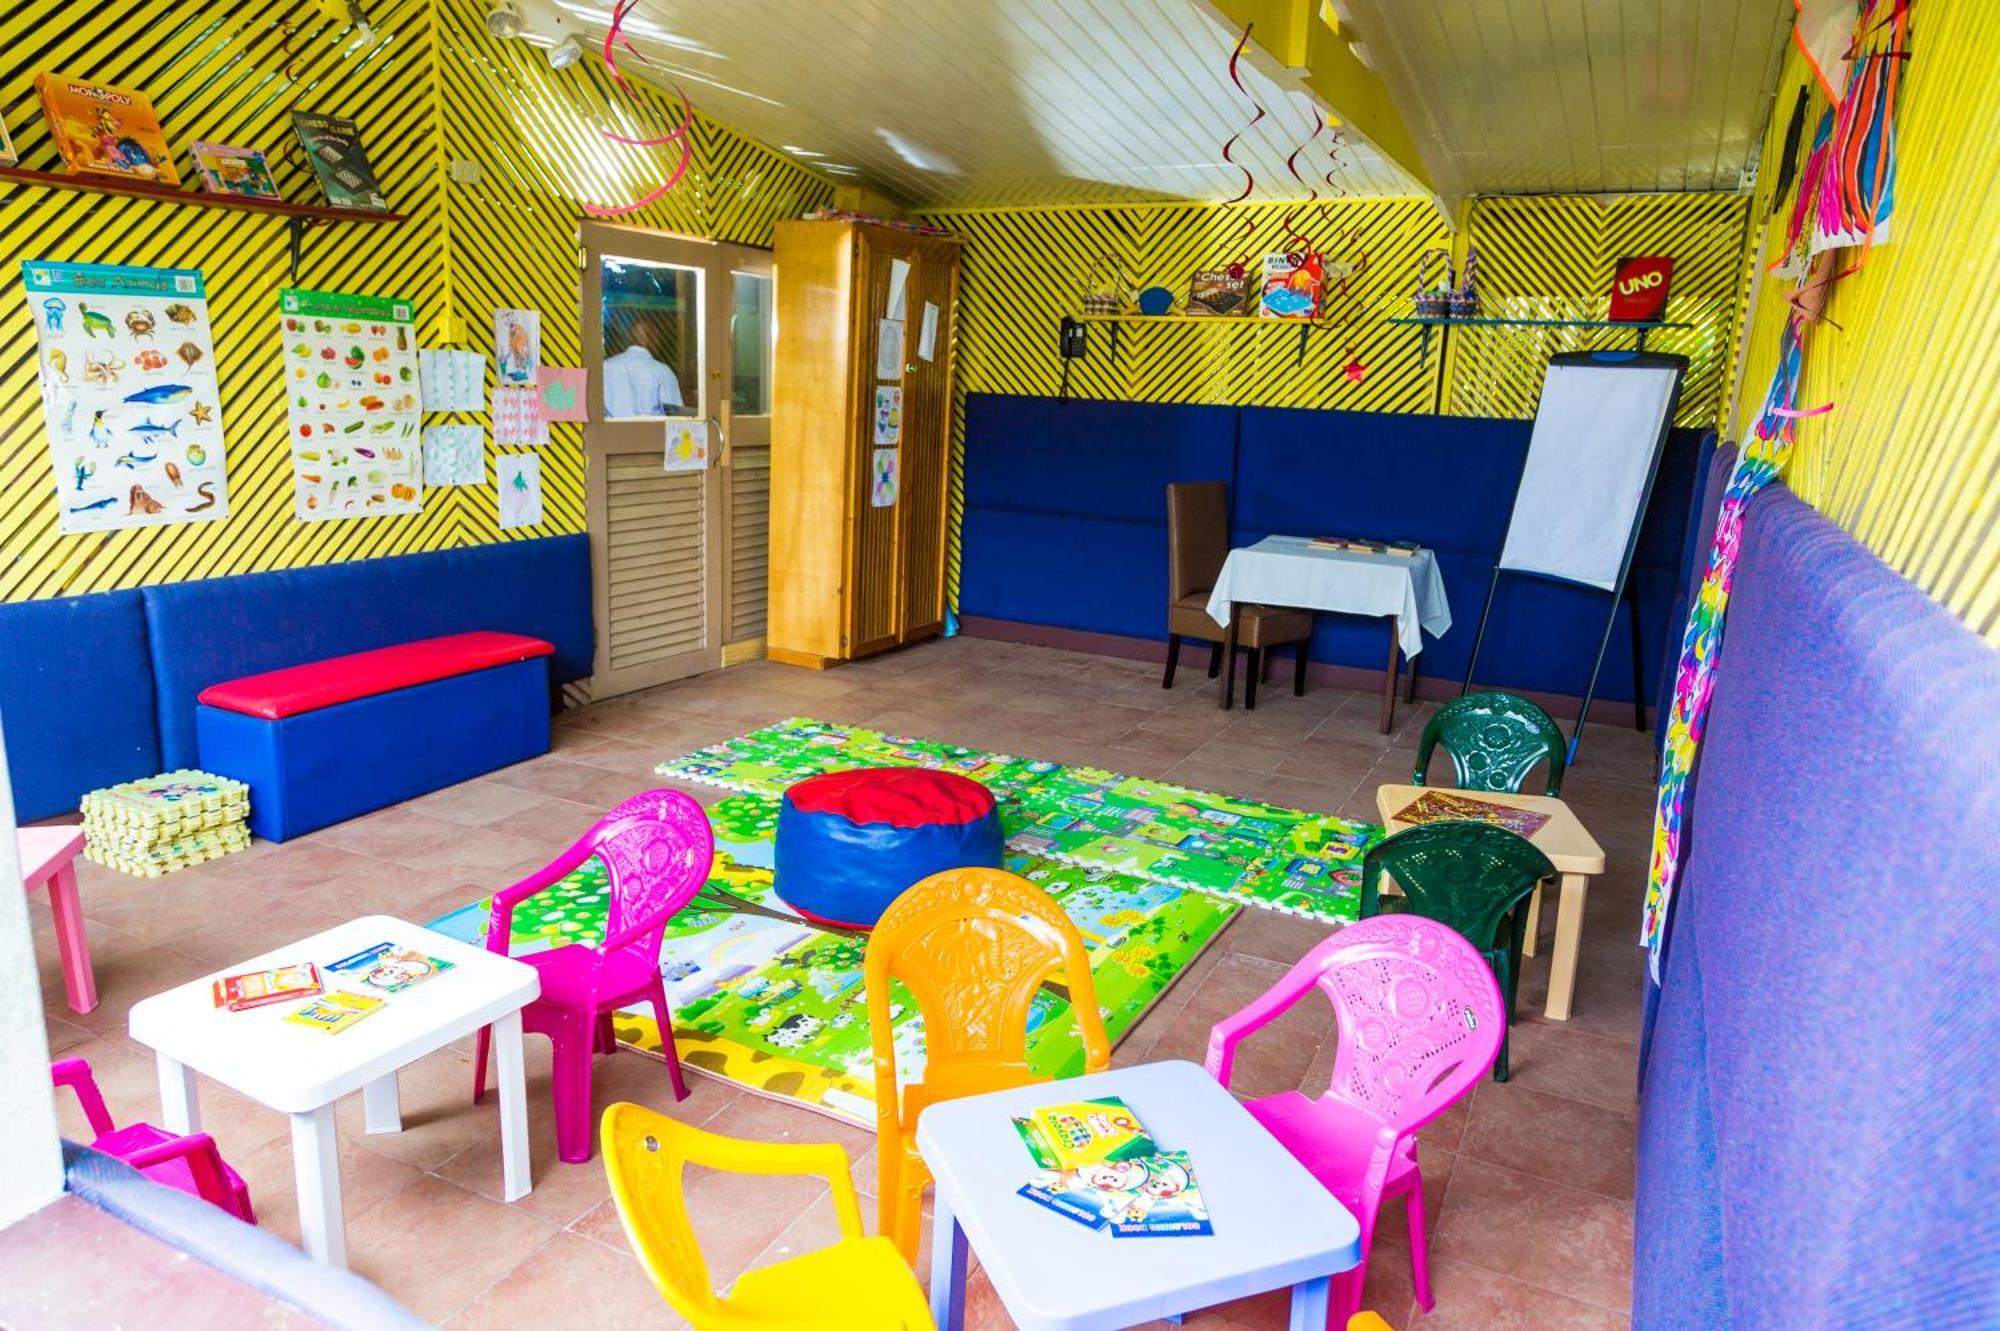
column 965, row 103
column 1541, row 96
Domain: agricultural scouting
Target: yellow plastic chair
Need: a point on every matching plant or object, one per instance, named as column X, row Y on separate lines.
column 971, row 946
column 858, row 1284
column 1367, row 1321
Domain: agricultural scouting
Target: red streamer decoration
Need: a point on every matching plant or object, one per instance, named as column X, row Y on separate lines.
column 615, row 38
column 1303, row 241
column 1228, row 149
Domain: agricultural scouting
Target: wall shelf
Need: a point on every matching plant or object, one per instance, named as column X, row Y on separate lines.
column 1303, row 326
column 298, row 216
column 1447, row 323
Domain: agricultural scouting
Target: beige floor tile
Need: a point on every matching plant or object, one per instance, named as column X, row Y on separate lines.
column 435, row 1247
column 570, row 1281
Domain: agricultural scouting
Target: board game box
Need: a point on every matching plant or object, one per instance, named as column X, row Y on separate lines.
column 102, row 130
column 1443, row 805
column 333, row 146
column 242, row 172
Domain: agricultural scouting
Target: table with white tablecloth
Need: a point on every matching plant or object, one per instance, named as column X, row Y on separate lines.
column 1291, row 571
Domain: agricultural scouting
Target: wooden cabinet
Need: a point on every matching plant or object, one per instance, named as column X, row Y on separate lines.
column 853, row 571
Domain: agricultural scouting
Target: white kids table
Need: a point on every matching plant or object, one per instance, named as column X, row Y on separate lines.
column 1275, row 1226
column 302, row 1072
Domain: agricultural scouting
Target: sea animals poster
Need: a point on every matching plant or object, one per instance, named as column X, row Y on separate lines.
column 129, row 396
column 517, row 345
column 562, row 390
column 888, row 416
column 453, row 380
column 353, row 404
column 687, row 444
column 517, row 415
column 520, row 483
column 454, row 454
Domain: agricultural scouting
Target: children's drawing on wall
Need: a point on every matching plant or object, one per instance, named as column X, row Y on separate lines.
column 888, row 416
column 882, row 487
column 453, row 380
column 520, row 481
column 687, row 445
column 517, row 345
column 517, row 415
column 454, row 454
column 129, row 396
column 353, row 403
column 562, row 389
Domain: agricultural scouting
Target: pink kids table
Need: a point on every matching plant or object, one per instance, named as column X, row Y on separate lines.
column 48, row 855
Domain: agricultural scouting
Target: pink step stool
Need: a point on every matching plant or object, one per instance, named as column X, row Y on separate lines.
column 48, row 855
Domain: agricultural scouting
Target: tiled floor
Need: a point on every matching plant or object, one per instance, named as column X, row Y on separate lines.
column 1530, row 1183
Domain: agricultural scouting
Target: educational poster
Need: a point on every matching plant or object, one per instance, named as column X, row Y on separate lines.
column 562, row 390
column 520, row 482
column 453, row 380
column 352, row 398
column 882, row 479
column 687, row 444
column 888, row 416
column 517, row 415
column 517, row 345
column 454, row 454
column 129, row 396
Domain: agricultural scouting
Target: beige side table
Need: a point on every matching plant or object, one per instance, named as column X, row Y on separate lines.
column 1570, row 849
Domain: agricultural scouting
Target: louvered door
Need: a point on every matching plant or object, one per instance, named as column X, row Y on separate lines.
column 653, row 328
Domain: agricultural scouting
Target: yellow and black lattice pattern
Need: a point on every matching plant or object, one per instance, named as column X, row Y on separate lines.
column 432, row 86
column 1553, row 258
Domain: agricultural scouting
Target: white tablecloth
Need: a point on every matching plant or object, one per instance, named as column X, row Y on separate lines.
column 1287, row 571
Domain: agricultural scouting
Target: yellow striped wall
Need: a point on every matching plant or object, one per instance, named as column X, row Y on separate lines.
column 1540, row 257
column 1552, row 257
column 431, row 87
column 1909, row 459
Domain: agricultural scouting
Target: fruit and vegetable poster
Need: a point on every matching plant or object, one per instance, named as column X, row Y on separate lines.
column 355, row 409
column 129, row 396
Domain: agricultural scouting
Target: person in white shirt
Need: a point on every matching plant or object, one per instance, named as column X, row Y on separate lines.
column 635, row 384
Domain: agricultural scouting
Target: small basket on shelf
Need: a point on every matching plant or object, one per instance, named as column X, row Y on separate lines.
column 1434, row 296
column 1464, row 303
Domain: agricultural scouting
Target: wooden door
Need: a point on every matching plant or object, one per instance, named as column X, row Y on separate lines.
column 653, row 327
column 926, row 448
column 886, row 259
column 746, row 456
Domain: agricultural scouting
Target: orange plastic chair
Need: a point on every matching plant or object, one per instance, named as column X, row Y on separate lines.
column 858, row 1284
column 972, row 947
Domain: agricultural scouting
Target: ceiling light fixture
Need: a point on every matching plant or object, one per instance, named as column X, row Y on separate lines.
column 565, row 53
column 503, row 19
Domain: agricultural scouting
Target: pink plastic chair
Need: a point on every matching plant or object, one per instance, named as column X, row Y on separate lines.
column 191, row 1163
column 657, row 849
column 1420, row 1020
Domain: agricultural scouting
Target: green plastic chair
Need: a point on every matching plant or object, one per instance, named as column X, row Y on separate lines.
column 1494, row 739
column 1471, row 876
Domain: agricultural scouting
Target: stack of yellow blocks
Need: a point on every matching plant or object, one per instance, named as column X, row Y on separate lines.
column 158, row 824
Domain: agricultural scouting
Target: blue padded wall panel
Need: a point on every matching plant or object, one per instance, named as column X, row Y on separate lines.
column 1449, row 481
column 1088, row 458
column 1066, row 572
column 208, row 631
column 76, row 699
column 1816, row 1090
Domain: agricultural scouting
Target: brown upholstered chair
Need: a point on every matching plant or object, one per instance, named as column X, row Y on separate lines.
column 1197, row 543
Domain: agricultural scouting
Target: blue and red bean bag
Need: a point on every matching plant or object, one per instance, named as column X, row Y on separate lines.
column 849, row 843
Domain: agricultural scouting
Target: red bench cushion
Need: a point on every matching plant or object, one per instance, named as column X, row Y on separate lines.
column 338, row 679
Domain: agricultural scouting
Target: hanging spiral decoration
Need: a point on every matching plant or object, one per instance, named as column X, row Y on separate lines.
column 1229, row 148
column 677, row 134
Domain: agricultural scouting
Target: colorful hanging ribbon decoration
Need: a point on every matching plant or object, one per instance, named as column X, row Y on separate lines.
column 614, row 38
column 1229, row 148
